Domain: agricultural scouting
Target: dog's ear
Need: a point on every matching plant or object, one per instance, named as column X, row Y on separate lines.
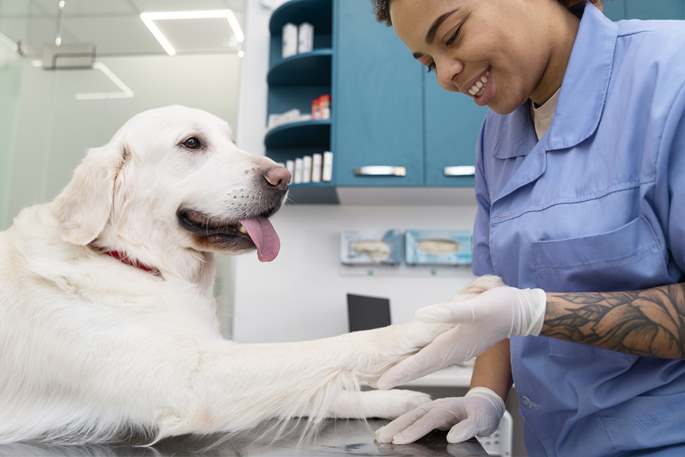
column 84, row 206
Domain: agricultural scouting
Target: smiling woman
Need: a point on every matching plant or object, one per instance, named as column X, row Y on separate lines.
column 579, row 181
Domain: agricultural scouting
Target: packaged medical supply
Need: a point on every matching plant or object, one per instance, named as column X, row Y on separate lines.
column 290, row 165
column 289, row 40
column 307, row 169
column 299, row 170
column 438, row 247
column 327, row 174
column 317, row 164
column 384, row 247
column 305, row 37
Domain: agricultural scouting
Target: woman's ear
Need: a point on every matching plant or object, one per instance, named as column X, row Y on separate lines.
column 84, row 206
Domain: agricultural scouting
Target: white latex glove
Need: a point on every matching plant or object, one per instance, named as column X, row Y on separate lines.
column 476, row 414
column 480, row 323
column 478, row 286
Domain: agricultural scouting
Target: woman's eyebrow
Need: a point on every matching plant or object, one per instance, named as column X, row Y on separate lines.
column 430, row 36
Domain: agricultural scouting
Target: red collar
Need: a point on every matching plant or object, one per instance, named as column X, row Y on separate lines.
column 122, row 257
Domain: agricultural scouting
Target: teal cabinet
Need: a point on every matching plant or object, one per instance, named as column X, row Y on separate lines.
column 391, row 125
column 655, row 9
column 377, row 102
column 453, row 122
column 644, row 9
column 615, row 9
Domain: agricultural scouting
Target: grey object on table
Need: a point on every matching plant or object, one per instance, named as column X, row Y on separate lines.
column 336, row 438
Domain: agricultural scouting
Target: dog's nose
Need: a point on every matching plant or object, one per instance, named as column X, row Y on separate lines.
column 277, row 177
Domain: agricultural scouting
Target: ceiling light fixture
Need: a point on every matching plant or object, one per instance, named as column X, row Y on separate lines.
column 149, row 19
column 124, row 90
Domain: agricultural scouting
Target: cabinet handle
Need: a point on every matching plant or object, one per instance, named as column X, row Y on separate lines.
column 380, row 171
column 465, row 170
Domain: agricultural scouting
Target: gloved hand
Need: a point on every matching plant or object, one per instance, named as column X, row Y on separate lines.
column 476, row 414
column 478, row 286
column 480, row 323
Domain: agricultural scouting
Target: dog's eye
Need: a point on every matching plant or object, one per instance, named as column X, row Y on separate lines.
column 192, row 143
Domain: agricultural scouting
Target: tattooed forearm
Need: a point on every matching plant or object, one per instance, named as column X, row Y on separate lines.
column 649, row 322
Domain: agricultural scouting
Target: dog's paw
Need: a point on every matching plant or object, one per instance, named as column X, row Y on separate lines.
column 378, row 350
column 382, row 404
column 391, row 404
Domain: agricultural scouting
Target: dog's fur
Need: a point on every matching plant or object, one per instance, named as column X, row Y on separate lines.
column 92, row 348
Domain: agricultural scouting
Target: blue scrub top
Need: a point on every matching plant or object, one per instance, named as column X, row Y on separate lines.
column 598, row 204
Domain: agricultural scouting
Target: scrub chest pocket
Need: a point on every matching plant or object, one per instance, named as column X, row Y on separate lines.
column 603, row 243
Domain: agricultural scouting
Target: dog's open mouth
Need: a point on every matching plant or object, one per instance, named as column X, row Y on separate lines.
column 253, row 232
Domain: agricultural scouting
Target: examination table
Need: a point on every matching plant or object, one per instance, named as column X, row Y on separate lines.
column 337, row 438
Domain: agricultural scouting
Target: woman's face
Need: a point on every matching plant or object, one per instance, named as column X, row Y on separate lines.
column 495, row 51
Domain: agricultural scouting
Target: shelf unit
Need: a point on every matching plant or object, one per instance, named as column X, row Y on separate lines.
column 309, row 134
column 294, row 82
column 307, row 69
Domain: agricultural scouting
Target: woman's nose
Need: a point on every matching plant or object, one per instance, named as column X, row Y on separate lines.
column 447, row 72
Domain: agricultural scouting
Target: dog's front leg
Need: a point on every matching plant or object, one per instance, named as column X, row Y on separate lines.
column 237, row 387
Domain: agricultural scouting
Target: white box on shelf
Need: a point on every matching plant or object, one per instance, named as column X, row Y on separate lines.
column 299, row 170
column 305, row 37
column 317, row 163
column 307, row 169
column 290, row 165
column 289, row 40
column 327, row 175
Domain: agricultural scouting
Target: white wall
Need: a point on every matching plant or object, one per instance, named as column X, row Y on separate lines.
column 9, row 90
column 302, row 295
column 54, row 130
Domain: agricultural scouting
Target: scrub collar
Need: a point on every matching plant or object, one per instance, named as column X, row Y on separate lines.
column 586, row 82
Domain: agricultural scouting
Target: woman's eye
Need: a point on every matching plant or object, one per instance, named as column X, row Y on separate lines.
column 192, row 143
column 450, row 41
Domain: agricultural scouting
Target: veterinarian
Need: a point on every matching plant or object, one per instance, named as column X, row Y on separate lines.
column 580, row 186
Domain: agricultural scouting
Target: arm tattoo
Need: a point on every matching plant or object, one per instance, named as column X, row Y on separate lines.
column 649, row 322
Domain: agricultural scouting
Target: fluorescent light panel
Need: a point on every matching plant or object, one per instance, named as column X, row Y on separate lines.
column 125, row 91
column 149, row 19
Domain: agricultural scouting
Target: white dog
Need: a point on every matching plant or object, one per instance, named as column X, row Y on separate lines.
column 107, row 321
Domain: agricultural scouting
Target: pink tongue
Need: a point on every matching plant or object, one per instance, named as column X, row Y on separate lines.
column 264, row 237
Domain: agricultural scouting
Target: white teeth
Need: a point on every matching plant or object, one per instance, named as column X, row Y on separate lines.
column 242, row 229
column 478, row 87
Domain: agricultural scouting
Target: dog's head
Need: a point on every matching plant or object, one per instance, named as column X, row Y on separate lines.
column 172, row 176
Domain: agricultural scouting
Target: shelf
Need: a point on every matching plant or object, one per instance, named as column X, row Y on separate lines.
column 315, row 12
column 329, row 193
column 303, row 134
column 307, row 69
column 313, row 194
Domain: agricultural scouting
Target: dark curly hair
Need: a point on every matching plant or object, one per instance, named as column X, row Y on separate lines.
column 382, row 7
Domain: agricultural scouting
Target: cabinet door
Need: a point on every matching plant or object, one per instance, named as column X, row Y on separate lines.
column 453, row 123
column 615, row 9
column 655, row 9
column 377, row 102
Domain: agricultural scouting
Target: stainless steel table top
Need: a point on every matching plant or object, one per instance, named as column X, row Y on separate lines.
column 337, row 438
